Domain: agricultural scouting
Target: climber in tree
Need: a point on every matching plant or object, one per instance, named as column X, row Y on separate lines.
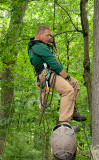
column 43, row 59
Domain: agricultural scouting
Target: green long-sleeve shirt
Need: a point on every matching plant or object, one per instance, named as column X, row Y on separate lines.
column 45, row 56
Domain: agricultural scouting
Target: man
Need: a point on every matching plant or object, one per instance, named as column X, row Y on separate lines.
column 40, row 55
column 63, row 142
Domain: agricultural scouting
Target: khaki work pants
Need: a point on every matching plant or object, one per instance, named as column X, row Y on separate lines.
column 69, row 90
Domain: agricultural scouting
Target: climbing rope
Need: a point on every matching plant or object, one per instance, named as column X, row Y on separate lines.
column 44, row 97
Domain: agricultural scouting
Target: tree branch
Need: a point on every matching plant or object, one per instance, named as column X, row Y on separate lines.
column 68, row 31
column 70, row 18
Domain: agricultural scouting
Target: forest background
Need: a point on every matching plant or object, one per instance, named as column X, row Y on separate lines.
column 21, row 136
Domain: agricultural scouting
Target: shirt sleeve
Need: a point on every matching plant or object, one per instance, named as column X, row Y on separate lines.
column 44, row 51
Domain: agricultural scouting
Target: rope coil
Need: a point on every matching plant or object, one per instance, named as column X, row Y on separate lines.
column 44, row 97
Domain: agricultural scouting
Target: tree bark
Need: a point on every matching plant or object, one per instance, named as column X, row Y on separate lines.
column 95, row 84
column 87, row 72
column 8, row 60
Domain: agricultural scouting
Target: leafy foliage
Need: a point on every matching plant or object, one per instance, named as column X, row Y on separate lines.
column 26, row 139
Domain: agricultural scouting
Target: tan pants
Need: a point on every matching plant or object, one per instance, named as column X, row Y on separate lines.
column 69, row 91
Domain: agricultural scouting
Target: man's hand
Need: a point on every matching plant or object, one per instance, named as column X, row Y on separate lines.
column 63, row 74
column 68, row 77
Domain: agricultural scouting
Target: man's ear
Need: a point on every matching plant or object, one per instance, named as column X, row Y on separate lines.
column 51, row 150
column 77, row 149
column 40, row 34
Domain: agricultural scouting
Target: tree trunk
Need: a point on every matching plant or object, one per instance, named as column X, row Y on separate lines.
column 7, row 93
column 87, row 73
column 95, row 83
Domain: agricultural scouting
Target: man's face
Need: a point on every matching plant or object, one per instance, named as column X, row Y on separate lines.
column 46, row 36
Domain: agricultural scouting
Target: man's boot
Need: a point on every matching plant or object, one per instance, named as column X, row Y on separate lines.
column 77, row 116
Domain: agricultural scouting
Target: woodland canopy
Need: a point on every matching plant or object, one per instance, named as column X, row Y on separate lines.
column 21, row 137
